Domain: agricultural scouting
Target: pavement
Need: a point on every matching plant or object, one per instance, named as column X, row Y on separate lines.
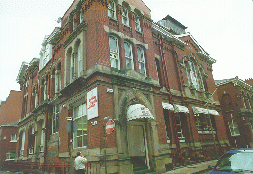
column 193, row 168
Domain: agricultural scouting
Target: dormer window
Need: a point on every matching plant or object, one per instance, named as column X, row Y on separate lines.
column 125, row 18
column 112, row 9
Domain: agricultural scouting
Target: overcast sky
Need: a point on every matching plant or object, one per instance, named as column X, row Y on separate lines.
column 224, row 28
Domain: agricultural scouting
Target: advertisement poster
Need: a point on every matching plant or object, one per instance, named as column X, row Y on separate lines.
column 92, row 103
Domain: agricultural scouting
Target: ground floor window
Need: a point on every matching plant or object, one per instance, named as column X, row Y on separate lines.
column 10, row 155
column 203, row 123
column 80, row 117
column 233, row 127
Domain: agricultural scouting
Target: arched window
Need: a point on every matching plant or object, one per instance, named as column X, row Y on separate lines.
column 128, row 55
column 125, row 18
column 194, row 75
column 114, row 52
column 55, row 119
column 58, row 79
column 141, row 60
column 137, row 23
column 112, row 9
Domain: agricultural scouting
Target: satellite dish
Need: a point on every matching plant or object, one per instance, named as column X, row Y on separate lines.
column 59, row 20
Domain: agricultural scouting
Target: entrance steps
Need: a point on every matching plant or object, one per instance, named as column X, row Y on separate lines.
column 141, row 168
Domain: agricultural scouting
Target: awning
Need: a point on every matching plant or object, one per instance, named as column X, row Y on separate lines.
column 168, row 106
column 214, row 112
column 179, row 108
column 176, row 108
column 198, row 110
column 138, row 111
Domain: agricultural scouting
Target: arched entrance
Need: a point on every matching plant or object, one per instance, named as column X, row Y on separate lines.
column 137, row 116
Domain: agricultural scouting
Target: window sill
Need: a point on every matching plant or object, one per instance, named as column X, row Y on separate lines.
column 13, row 141
column 127, row 26
column 113, row 19
column 206, row 132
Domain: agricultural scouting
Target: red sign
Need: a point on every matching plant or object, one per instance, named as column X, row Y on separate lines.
column 109, row 126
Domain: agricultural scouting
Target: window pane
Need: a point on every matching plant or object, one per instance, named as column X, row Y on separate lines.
column 113, row 44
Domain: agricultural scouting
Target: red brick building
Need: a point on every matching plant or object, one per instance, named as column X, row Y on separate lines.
column 235, row 96
column 8, row 142
column 110, row 60
column 10, row 112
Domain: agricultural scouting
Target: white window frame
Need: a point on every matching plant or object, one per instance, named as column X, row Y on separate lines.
column 57, row 81
column 141, row 60
column 181, row 136
column 80, row 113
column 81, row 15
column 114, row 54
column 45, row 91
column 207, row 128
column 137, row 23
column 125, row 17
column 55, row 119
column 36, row 100
column 13, row 138
column 79, row 59
column 112, row 9
column 72, row 67
column 22, row 144
column 129, row 55
column 233, row 127
column 9, row 154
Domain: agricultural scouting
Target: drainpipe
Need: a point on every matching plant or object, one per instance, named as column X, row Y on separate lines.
column 166, row 81
column 46, row 122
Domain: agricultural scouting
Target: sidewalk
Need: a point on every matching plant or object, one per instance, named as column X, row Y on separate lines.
column 194, row 168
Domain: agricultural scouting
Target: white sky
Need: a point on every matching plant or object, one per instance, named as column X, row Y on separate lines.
column 224, row 28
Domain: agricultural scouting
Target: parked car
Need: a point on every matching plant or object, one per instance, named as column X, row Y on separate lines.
column 235, row 161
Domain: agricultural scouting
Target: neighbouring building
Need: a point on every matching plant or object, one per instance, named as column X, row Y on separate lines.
column 109, row 60
column 235, row 96
column 10, row 113
column 8, row 142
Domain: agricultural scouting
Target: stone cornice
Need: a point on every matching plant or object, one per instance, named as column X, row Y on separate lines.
column 81, row 27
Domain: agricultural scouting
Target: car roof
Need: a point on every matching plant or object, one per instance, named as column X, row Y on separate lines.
column 241, row 150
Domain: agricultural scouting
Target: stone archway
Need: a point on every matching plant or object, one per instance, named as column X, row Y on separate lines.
column 134, row 134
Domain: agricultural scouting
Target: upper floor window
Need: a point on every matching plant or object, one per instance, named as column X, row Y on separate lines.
column 55, row 119
column 194, row 76
column 81, row 15
column 14, row 138
column 128, row 55
column 80, row 117
column 137, row 23
column 22, row 148
column 125, row 18
column 45, row 91
column 57, row 81
column 114, row 52
column 141, row 60
column 112, row 9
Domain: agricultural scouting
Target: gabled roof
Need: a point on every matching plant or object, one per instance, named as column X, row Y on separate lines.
column 201, row 53
column 22, row 71
column 236, row 82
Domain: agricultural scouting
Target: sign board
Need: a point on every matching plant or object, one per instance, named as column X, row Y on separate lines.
column 92, row 104
column 75, row 127
column 109, row 126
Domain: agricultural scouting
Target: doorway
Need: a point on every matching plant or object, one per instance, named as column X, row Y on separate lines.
column 137, row 143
